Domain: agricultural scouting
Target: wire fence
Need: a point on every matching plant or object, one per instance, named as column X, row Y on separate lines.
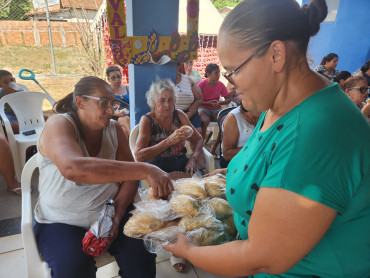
column 15, row 9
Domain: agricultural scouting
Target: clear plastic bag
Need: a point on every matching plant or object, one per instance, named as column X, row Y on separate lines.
column 205, row 237
column 141, row 224
column 160, row 209
column 220, row 206
column 193, row 187
column 215, row 186
column 184, row 205
column 155, row 241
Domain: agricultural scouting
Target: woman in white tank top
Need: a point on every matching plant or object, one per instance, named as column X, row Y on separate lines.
column 84, row 159
column 237, row 127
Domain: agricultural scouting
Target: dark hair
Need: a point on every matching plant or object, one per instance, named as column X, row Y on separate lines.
column 366, row 67
column 111, row 69
column 4, row 73
column 255, row 24
column 86, row 86
column 328, row 58
column 342, row 75
column 352, row 81
column 210, row 68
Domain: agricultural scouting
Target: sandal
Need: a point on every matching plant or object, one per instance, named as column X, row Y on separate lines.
column 17, row 190
column 178, row 263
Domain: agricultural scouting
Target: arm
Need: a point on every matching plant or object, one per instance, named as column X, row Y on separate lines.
column 193, row 108
column 128, row 189
column 228, row 97
column 142, row 150
column 58, row 143
column 366, row 110
column 229, row 142
column 284, row 227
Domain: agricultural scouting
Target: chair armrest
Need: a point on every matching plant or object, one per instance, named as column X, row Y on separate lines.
column 209, row 159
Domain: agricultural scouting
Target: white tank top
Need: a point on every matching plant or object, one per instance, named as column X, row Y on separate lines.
column 245, row 128
column 64, row 201
column 185, row 96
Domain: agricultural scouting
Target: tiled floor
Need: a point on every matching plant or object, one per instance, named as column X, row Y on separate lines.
column 12, row 257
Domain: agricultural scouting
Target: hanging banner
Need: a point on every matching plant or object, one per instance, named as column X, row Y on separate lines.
column 140, row 50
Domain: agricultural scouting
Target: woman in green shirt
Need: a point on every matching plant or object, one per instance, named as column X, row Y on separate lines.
column 300, row 187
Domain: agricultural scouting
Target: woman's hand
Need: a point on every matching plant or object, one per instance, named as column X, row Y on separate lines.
column 119, row 113
column 191, row 166
column 215, row 172
column 116, row 222
column 181, row 247
column 176, row 137
column 159, row 181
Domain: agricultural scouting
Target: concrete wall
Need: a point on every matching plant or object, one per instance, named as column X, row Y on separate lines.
column 348, row 36
column 33, row 33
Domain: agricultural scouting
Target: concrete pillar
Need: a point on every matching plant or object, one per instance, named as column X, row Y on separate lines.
column 142, row 17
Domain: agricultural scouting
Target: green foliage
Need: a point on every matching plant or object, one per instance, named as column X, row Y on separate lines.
column 16, row 10
column 219, row 4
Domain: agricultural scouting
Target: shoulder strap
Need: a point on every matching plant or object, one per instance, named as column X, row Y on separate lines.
column 176, row 118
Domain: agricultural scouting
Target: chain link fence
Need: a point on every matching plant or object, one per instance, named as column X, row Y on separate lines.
column 15, row 9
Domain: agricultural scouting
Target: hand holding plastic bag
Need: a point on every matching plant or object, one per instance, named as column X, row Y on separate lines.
column 97, row 239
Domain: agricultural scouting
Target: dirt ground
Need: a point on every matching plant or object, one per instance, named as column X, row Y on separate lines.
column 57, row 86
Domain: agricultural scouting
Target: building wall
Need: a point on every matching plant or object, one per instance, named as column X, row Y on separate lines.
column 35, row 33
column 67, row 15
column 348, row 36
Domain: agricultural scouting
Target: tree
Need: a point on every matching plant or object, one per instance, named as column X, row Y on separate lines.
column 14, row 9
column 219, row 4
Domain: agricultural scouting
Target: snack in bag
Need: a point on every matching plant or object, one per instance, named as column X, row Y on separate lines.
column 141, row 224
column 191, row 187
column 184, row 204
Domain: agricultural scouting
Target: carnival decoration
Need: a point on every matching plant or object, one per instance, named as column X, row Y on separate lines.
column 153, row 48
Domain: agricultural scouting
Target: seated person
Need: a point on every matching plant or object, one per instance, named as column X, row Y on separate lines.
column 357, row 90
column 327, row 66
column 341, row 78
column 84, row 159
column 7, row 166
column 121, row 93
column 8, row 86
column 189, row 97
column 160, row 140
column 212, row 91
column 236, row 129
column 193, row 74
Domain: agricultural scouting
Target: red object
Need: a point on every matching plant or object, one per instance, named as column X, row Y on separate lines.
column 93, row 246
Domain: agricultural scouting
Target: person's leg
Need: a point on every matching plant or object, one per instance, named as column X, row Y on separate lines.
column 213, row 117
column 205, row 119
column 7, row 166
column 61, row 247
column 131, row 255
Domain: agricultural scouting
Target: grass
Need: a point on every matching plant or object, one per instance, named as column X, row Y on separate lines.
column 68, row 60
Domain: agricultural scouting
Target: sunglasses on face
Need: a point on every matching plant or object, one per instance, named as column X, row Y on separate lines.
column 363, row 90
column 105, row 102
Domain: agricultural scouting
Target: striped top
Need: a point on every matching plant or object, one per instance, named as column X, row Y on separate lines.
column 185, row 96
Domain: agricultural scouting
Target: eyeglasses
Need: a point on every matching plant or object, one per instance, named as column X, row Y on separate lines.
column 228, row 75
column 115, row 77
column 105, row 102
column 363, row 90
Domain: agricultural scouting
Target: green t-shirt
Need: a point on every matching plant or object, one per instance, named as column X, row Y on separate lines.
column 320, row 149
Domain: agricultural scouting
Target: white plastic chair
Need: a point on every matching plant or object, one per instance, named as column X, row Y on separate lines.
column 36, row 266
column 208, row 157
column 214, row 127
column 27, row 107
